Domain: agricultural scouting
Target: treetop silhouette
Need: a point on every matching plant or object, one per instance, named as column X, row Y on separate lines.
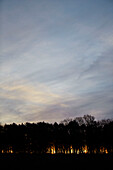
column 80, row 135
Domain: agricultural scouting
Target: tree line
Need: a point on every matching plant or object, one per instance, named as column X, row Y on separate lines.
column 79, row 135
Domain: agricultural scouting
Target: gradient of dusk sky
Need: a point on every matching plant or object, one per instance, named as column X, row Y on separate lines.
column 56, row 60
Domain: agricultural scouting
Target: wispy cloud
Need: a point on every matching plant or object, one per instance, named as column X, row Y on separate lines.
column 27, row 102
column 56, row 59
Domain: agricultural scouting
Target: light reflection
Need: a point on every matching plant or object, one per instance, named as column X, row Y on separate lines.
column 106, row 151
column 70, row 150
column 9, row 150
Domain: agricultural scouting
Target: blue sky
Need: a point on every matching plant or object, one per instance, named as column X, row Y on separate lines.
column 56, row 59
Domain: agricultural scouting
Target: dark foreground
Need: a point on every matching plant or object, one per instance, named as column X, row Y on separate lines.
column 71, row 162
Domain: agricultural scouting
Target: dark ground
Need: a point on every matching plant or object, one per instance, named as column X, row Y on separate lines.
column 60, row 161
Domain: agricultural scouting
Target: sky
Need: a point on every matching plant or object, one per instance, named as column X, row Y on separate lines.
column 56, row 60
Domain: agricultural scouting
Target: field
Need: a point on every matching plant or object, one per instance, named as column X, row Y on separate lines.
column 59, row 161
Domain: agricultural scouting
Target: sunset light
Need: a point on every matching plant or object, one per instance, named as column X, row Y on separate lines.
column 56, row 84
column 56, row 60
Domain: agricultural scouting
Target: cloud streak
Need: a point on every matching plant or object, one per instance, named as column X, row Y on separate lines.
column 56, row 60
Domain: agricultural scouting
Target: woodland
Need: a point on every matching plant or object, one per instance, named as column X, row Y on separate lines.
column 81, row 135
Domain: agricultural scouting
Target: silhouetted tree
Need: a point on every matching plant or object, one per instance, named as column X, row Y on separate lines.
column 76, row 133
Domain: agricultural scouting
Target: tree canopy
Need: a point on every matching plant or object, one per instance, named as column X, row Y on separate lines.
column 79, row 135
